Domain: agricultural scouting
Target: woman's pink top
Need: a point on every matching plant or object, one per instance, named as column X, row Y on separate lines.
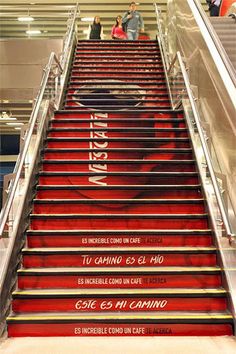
column 118, row 32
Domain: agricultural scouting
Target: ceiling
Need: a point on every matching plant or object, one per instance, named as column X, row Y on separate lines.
column 50, row 17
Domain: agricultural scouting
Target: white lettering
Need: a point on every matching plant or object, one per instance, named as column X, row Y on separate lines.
column 97, row 144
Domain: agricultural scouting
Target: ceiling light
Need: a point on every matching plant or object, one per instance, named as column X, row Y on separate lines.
column 33, row 32
column 6, row 119
column 87, row 19
column 15, row 124
column 25, row 19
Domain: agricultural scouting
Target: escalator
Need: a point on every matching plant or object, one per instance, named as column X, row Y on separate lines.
column 225, row 28
column 119, row 241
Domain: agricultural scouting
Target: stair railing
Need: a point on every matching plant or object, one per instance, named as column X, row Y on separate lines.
column 222, row 212
column 181, row 92
column 162, row 40
column 198, row 134
column 14, row 215
column 68, row 44
column 218, row 212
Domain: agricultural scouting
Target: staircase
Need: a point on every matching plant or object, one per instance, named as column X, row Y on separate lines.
column 119, row 240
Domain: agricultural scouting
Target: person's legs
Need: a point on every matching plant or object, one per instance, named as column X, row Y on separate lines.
column 214, row 10
column 136, row 34
column 131, row 35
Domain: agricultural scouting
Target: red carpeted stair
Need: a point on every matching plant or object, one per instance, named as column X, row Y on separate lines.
column 120, row 240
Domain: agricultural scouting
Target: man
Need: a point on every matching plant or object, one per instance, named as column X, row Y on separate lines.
column 214, row 7
column 133, row 22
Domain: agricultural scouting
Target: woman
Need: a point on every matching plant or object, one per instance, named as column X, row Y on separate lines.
column 96, row 30
column 117, row 31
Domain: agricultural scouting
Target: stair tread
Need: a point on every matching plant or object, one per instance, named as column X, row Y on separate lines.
column 120, row 215
column 123, row 316
column 138, row 139
column 114, row 161
column 118, row 270
column 115, row 200
column 167, row 150
column 67, row 111
column 156, row 231
column 166, row 291
column 121, row 250
column 88, row 120
column 120, row 173
column 118, row 129
column 116, row 186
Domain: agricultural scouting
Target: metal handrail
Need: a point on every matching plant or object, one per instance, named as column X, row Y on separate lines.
column 166, row 72
column 231, row 235
column 67, row 49
column 69, row 35
column 33, row 118
column 40, row 114
column 21, row 157
column 161, row 35
column 228, row 228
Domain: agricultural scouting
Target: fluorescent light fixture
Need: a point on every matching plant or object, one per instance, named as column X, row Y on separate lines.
column 33, row 32
column 87, row 19
column 6, row 119
column 15, row 124
column 25, row 19
column 17, row 128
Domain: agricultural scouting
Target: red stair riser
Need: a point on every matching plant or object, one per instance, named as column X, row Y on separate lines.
column 121, row 304
column 148, row 90
column 58, row 123
column 116, row 180
column 68, row 208
column 151, row 281
column 80, row 134
column 164, row 115
column 83, row 155
column 114, row 54
column 149, row 106
column 117, row 75
column 125, row 260
column 109, row 67
column 132, row 81
column 118, row 144
column 119, row 240
column 111, row 194
column 112, row 64
column 119, row 329
column 107, row 48
column 118, row 167
column 111, row 123
column 105, row 67
column 118, row 224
